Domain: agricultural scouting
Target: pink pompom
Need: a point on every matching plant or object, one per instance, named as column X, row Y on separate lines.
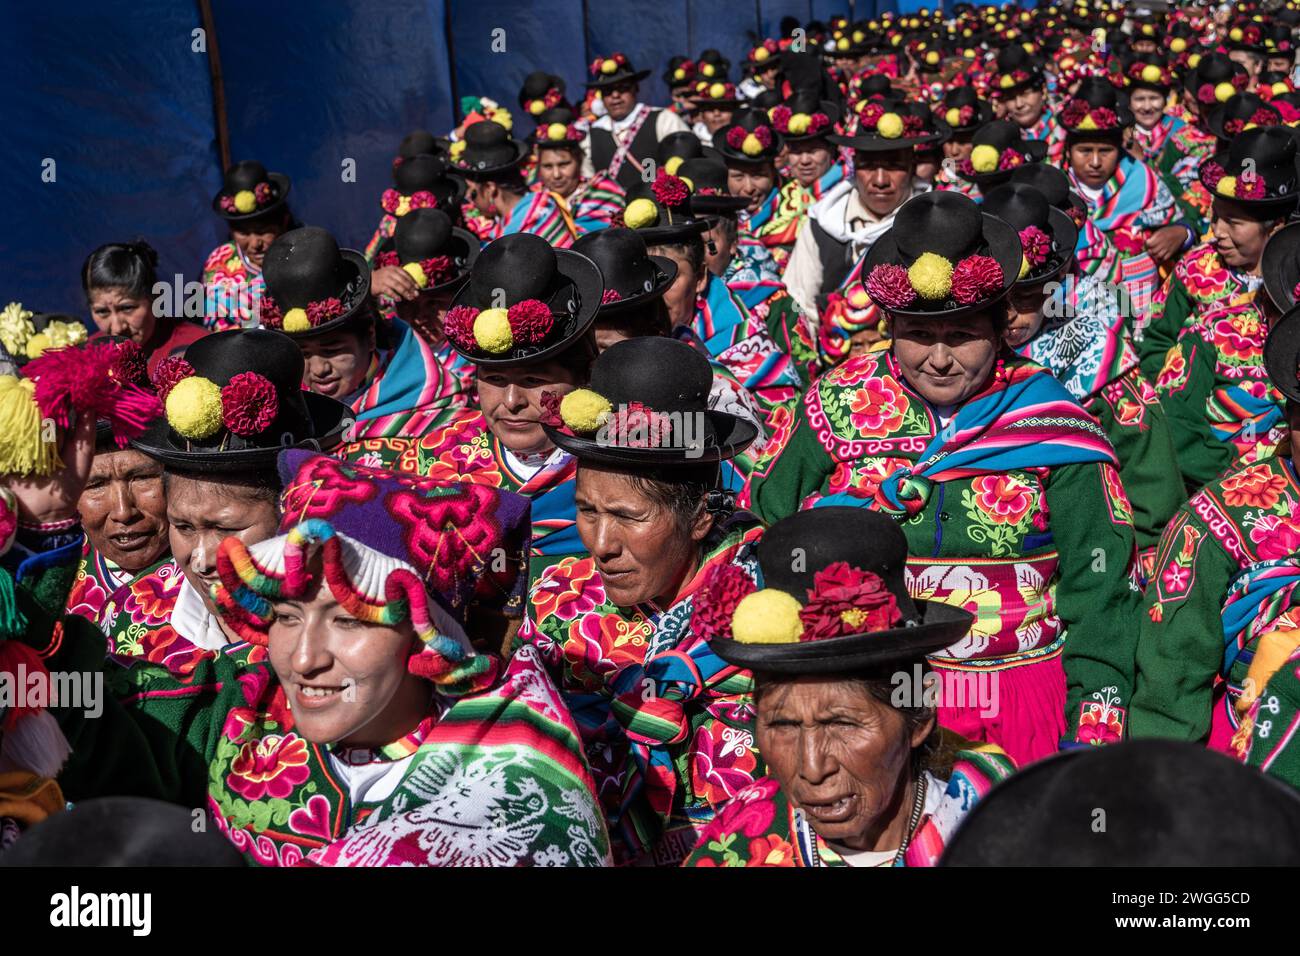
column 736, row 137
column 389, row 200
column 890, row 288
column 1036, row 244
column 318, row 313
column 170, row 371
column 424, row 200
column 386, row 259
column 976, row 278
column 530, row 321
column 610, row 295
column 249, row 404
column 459, row 327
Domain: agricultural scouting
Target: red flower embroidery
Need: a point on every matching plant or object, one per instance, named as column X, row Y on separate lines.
column 270, row 767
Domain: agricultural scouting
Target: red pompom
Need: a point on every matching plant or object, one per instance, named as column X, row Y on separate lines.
column 1105, row 117
column 269, row 313
column 671, row 191
column 1010, row 159
column 1037, row 245
column 129, row 365
column 424, row 200
column 845, row 600
column 976, row 278
column 386, row 259
column 262, row 194
column 1211, row 173
column 389, row 200
column 715, row 602
column 610, row 295
column 459, row 327
column 551, row 410
column 736, row 137
column 530, row 321
column 890, row 288
column 170, row 371
column 318, row 313
column 638, row 426
column 249, row 404
column 781, row 118
column 437, row 269
column 1252, row 189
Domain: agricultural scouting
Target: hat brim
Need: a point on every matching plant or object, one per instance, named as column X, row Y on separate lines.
column 361, row 302
column 472, row 249
column 768, row 155
column 635, row 77
column 1282, row 353
column 1280, row 265
column 717, row 205
column 1270, row 207
column 1003, row 245
column 942, row 625
column 667, row 235
column 282, row 183
column 880, row 144
column 711, row 104
column 590, row 285
column 1035, row 151
column 521, row 150
column 1065, row 234
column 733, row 435
column 331, row 421
column 665, row 276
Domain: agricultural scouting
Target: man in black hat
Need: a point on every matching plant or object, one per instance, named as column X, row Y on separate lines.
column 621, row 140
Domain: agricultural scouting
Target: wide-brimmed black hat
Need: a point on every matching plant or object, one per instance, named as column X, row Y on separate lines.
column 1054, row 184
column 1097, row 111
column 632, row 276
column 1205, row 82
column 681, row 72
column 998, row 149
column 670, row 381
column 524, row 303
column 891, row 123
column 964, row 111
column 249, row 191
column 1166, row 803
column 1257, row 171
column 783, row 628
column 613, row 69
column 235, row 402
column 709, row 190
column 1248, row 36
column 1240, row 111
column 712, row 65
column 715, row 95
column 489, row 149
column 557, row 129
column 750, row 137
column 1279, row 40
column 1015, row 69
column 424, row 181
column 312, row 286
column 1047, row 235
column 803, row 117
column 1280, row 266
column 1282, row 352
column 418, row 142
column 678, row 147
column 1148, row 71
column 661, row 212
column 428, row 239
column 851, row 42
column 541, row 91
column 942, row 258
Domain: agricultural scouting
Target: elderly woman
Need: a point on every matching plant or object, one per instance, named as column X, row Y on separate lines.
column 1213, row 383
column 1006, row 488
column 537, row 339
column 859, row 772
column 357, row 727
column 231, row 405
column 666, row 724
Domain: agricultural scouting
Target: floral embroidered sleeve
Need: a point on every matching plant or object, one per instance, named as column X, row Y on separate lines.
column 1168, row 313
column 1185, row 385
column 1180, row 632
column 1091, row 524
column 800, row 469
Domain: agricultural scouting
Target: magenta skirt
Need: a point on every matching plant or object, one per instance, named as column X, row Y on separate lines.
column 1017, row 704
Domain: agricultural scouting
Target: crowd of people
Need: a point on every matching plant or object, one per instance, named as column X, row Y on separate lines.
column 763, row 479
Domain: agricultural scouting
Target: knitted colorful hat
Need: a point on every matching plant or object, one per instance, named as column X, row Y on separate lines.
column 832, row 599
column 524, row 302
column 1256, row 171
column 609, row 70
column 395, row 548
column 312, row 286
column 942, row 258
column 430, row 250
column 1047, row 235
column 647, row 405
column 249, row 191
column 235, row 401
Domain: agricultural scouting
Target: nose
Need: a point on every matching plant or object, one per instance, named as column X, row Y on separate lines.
column 318, row 366
column 122, row 509
column 516, row 399
column 815, row 763
column 309, row 655
column 605, row 544
column 203, row 559
column 940, row 357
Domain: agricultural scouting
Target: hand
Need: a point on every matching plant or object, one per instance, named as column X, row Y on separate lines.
column 1165, row 243
column 54, row 498
column 393, row 282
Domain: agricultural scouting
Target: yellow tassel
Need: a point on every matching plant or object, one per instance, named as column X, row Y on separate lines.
column 24, row 448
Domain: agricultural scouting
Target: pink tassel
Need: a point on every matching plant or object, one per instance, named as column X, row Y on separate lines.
column 81, row 381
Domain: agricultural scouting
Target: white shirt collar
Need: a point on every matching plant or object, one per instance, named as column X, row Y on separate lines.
column 192, row 620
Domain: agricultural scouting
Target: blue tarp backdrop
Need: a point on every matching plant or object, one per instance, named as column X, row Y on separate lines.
column 111, row 129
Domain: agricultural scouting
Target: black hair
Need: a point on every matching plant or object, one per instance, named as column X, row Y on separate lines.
column 691, row 249
column 132, row 266
column 685, row 492
column 730, row 227
column 263, row 484
column 511, row 180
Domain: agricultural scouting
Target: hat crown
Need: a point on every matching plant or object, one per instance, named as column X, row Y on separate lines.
column 416, row 143
column 514, row 268
column 303, row 266
column 1242, row 106
column 422, row 234
column 622, row 259
column 245, row 175
column 1049, row 181
column 1020, row 205
column 538, row 83
column 663, row 374
column 1097, row 91
column 705, row 173
column 945, row 223
column 1270, row 149
column 423, row 173
column 684, row 144
column 1001, row 134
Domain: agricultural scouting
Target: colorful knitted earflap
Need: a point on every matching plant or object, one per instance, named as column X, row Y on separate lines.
column 394, row 548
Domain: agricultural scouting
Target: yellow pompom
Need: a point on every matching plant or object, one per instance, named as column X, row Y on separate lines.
column 63, row 334
column 37, row 344
column 640, row 213
column 674, row 163
column 858, row 36
column 556, row 131
column 931, row 276
column 1151, row 73
column 416, row 272
column 751, row 146
column 1224, row 92
column 1088, row 122
column 679, row 74
column 690, row 183
column 1193, row 60
column 537, row 107
column 1227, row 186
column 761, row 54
column 194, row 407
column 15, row 327
column 403, row 206
column 717, row 91
column 985, row 158
column 245, row 201
column 953, row 116
column 890, row 126
column 584, row 410
column 1178, row 44
column 799, row 124
column 1007, row 82
column 1235, row 34
column 501, row 116
column 457, row 148
column 492, row 331
column 842, row 43
column 1279, row 89
column 1024, row 268
column 23, row 448
column 295, row 320
column 895, row 40
column 708, row 69
column 768, row 616
column 932, row 57
column 608, row 66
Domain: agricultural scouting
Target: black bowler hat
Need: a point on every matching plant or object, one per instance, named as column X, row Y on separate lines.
column 889, row 124
column 1055, row 187
column 423, row 180
column 1047, row 235
column 715, row 95
column 964, row 111
column 1162, row 803
column 557, row 129
column 793, row 626
column 1282, row 353
column 525, row 302
column 1246, row 35
column 1149, row 71
column 1256, row 171
column 671, row 382
column 613, row 69
column 249, row 191
column 235, row 401
column 1280, row 265
column 943, row 258
column 1014, row 70
column 677, row 147
column 418, row 142
column 998, row 149
column 1205, row 82
column 681, row 72
column 708, row 182
column 312, row 286
column 427, row 238
column 804, row 116
column 489, row 149
column 1242, row 110
column 1097, row 111
column 661, row 212
column 712, row 66
column 540, row 92
column 632, row 276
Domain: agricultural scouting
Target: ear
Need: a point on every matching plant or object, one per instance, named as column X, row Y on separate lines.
column 922, row 731
column 703, row 524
